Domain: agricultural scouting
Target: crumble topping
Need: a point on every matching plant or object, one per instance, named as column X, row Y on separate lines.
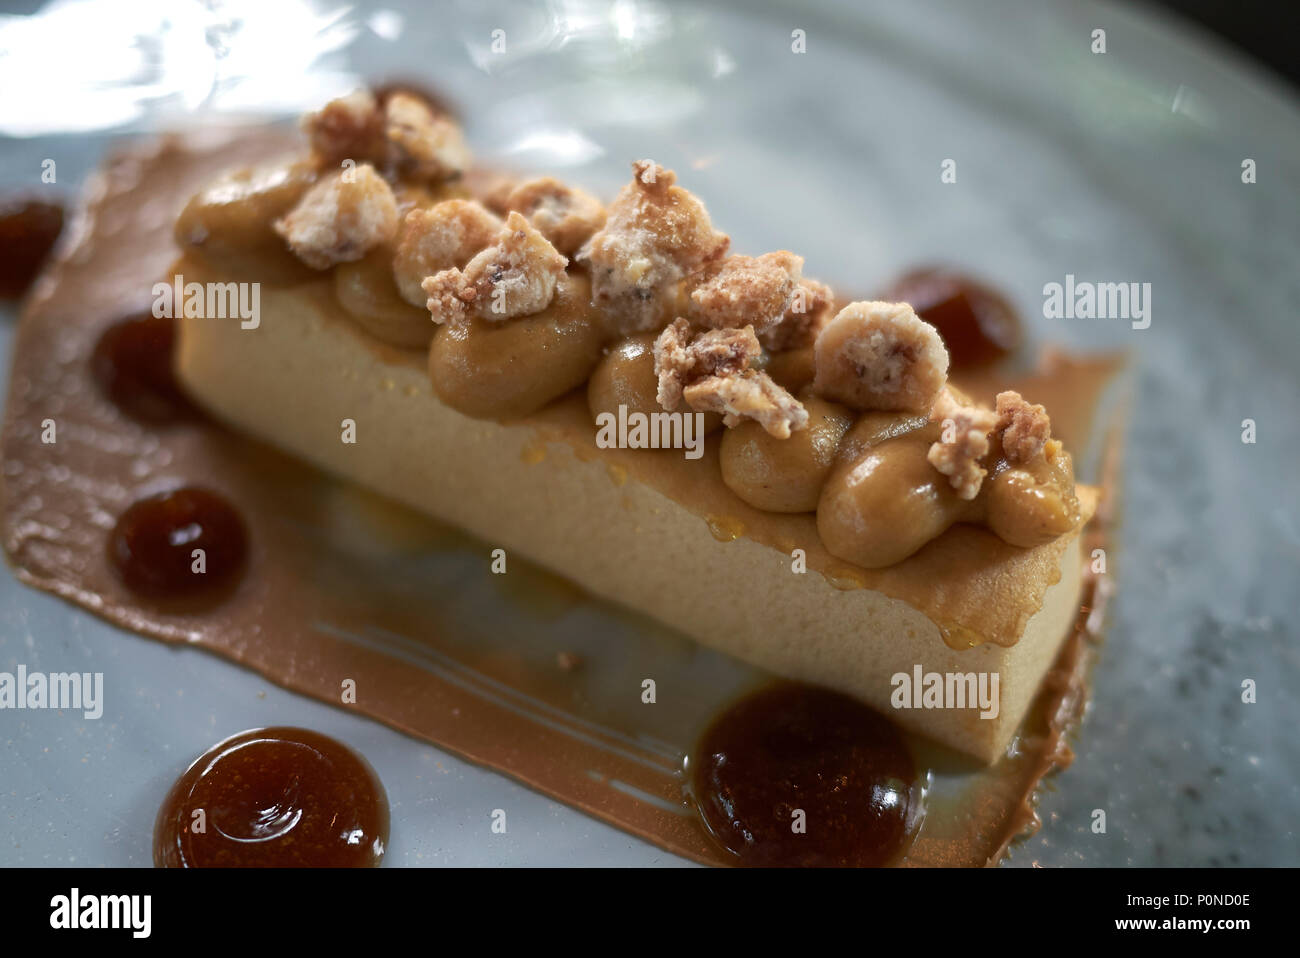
column 710, row 370
column 752, row 394
column 682, row 355
column 421, row 143
column 654, row 259
column 746, row 290
column 565, row 215
column 809, row 310
column 341, row 218
column 876, row 355
column 444, row 236
column 959, row 457
column 655, row 234
column 403, row 136
column 1025, row 427
column 516, row 276
column 349, row 127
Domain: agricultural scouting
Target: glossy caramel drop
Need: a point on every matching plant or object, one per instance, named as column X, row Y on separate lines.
column 28, row 229
column 132, row 363
column 274, row 798
column 153, row 544
column 791, row 749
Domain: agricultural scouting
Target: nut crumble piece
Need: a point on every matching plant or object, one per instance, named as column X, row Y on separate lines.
column 516, row 276
column 876, row 355
column 710, row 370
column 655, row 234
column 808, row 312
column 402, row 137
column 444, row 236
column 751, row 394
column 350, row 127
column 422, row 144
column 682, row 356
column 959, row 459
column 341, row 218
column 1025, row 427
column 565, row 215
column 746, row 291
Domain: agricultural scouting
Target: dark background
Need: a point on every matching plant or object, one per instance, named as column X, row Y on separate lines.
column 1263, row 29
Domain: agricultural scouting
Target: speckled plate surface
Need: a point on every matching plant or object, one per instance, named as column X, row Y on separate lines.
column 1123, row 166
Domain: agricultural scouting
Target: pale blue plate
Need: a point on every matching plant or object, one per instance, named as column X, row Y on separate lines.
column 1116, row 166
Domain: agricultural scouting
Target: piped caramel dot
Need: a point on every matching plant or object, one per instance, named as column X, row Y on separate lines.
column 179, row 544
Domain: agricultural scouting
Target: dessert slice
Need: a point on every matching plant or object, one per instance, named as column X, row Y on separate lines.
column 511, row 357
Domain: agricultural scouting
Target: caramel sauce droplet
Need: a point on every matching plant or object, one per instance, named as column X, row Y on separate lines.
column 798, row 775
column 177, row 544
column 725, row 528
column 28, row 231
column 274, row 797
column 132, row 363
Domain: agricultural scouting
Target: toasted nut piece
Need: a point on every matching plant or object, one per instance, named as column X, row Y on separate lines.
column 683, row 356
column 341, row 218
column 565, row 215
column 745, row 291
column 351, row 127
column 422, row 144
column 444, row 236
column 809, row 310
column 710, row 370
column 514, row 277
column 963, row 443
column 625, row 377
column 876, row 355
column 1025, row 427
column 655, row 234
column 403, row 137
column 751, row 394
